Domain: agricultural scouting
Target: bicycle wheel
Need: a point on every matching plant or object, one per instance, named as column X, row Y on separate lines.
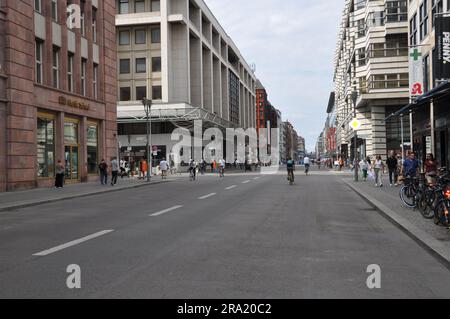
column 423, row 206
column 441, row 216
column 407, row 196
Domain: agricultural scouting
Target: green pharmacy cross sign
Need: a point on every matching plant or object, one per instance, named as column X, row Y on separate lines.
column 415, row 55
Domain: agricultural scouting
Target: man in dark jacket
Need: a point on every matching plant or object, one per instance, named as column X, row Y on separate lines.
column 103, row 168
column 392, row 164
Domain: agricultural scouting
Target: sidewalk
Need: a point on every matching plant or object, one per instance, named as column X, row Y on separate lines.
column 387, row 201
column 34, row 197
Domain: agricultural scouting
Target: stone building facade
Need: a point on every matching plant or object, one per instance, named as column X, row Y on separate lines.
column 60, row 91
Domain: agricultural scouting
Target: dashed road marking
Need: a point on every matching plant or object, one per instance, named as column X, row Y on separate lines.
column 72, row 243
column 166, row 211
column 207, row 196
column 231, row 187
column 245, row 182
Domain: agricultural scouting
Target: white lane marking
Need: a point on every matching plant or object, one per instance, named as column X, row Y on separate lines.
column 208, row 196
column 72, row 243
column 256, row 178
column 166, row 210
column 245, row 182
column 231, row 187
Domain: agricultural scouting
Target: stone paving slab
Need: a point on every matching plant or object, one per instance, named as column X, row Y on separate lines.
column 386, row 199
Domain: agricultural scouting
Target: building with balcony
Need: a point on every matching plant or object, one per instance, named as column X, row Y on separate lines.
column 371, row 75
column 57, row 91
column 430, row 118
column 176, row 53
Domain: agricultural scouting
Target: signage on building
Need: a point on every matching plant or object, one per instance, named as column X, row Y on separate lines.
column 442, row 51
column 75, row 104
column 415, row 72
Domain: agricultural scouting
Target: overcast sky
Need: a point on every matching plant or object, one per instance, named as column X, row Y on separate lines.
column 292, row 43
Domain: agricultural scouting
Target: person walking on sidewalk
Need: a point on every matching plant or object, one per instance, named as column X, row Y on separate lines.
column 392, row 165
column 59, row 179
column 378, row 169
column 103, row 168
column 115, row 171
column 364, row 169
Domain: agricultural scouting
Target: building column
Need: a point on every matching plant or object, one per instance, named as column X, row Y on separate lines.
column 165, row 50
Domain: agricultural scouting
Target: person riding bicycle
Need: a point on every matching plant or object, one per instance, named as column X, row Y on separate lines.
column 192, row 168
column 307, row 163
column 290, row 168
column 222, row 165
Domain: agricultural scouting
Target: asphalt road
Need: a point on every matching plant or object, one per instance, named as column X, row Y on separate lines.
column 245, row 236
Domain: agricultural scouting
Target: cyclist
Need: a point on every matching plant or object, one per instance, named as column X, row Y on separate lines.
column 222, row 165
column 307, row 163
column 290, row 169
column 192, row 169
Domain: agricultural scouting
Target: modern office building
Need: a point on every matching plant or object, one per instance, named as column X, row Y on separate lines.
column 60, row 85
column 176, row 53
column 371, row 76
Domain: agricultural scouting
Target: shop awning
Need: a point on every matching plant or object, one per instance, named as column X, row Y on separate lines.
column 441, row 90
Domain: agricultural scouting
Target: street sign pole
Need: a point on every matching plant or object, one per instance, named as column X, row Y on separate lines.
column 355, row 125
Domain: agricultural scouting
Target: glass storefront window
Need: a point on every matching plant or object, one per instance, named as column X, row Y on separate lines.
column 70, row 133
column 92, row 149
column 46, row 147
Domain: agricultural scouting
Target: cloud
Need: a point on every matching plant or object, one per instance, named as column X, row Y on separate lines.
column 292, row 43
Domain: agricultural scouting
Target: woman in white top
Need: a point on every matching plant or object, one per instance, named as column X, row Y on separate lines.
column 378, row 168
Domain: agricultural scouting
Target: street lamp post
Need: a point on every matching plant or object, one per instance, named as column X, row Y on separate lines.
column 354, row 98
column 148, row 109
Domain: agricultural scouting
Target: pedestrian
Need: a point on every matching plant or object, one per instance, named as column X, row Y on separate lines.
column 431, row 169
column 222, row 165
column 214, row 166
column 364, row 169
column 410, row 165
column 164, row 167
column 392, row 164
column 144, row 168
column 103, row 168
column 59, row 178
column 378, row 169
column 114, row 170
column 341, row 164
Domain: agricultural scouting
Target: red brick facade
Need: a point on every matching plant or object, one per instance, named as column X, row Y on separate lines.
column 2, row 102
column 26, row 99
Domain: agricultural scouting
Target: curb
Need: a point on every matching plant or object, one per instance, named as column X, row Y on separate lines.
column 33, row 203
column 432, row 245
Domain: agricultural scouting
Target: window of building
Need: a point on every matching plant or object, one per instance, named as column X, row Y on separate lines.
column 94, row 25
column 141, row 65
column 155, row 5
column 70, row 72
column 83, row 77
column 125, row 94
column 38, row 6
column 123, row 7
column 83, row 16
column 156, row 64
column 139, row 6
column 124, row 66
column 55, row 10
column 156, row 35
column 124, row 37
column 141, row 92
column 413, row 30
column 423, row 20
column 55, row 67
column 157, row 92
column 95, row 81
column 39, row 59
column 45, row 145
column 92, row 148
column 140, row 37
